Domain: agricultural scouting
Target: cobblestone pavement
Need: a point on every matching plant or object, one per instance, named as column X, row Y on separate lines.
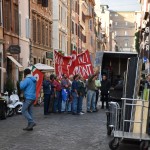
column 57, row 132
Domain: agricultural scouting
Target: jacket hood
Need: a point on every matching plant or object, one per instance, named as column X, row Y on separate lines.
column 31, row 77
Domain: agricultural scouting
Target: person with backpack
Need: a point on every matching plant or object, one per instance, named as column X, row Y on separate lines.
column 65, row 86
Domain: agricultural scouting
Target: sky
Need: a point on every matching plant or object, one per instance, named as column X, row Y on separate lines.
column 122, row 5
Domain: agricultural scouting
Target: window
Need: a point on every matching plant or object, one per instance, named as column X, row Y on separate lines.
column 50, row 36
column 39, row 31
column 72, row 27
column 1, row 17
column 59, row 12
column 34, row 29
column 46, row 34
column 91, row 41
column 16, row 26
column 115, row 33
column 27, row 27
column 60, row 41
column 126, row 43
column 34, row 60
column 116, row 23
column 76, row 7
column 125, row 33
column 83, row 17
column 90, row 25
column 76, row 29
column 7, row 21
column 64, row 16
column 116, row 15
column 43, row 33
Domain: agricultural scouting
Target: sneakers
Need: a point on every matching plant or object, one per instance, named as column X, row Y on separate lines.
column 29, row 127
column 81, row 113
column 89, row 111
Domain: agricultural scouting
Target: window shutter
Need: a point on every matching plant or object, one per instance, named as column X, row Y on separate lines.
column 19, row 24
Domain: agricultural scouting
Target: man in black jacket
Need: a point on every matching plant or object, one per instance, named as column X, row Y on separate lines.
column 105, row 86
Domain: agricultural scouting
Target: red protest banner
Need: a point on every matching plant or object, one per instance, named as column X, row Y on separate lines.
column 61, row 64
column 74, row 64
column 39, row 76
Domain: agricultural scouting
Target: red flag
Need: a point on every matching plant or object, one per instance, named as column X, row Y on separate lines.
column 74, row 64
column 39, row 76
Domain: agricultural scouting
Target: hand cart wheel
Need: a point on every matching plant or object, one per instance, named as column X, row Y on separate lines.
column 144, row 145
column 114, row 144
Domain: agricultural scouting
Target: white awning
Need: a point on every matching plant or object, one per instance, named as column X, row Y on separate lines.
column 15, row 62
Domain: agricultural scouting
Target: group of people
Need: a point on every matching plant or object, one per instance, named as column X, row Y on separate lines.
column 65, row 95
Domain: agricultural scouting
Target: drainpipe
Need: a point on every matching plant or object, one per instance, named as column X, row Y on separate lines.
column 1, row 48
column 70, row 24
column 30, row 41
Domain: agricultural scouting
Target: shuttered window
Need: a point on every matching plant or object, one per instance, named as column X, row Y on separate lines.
column 83, row 17
column 7, row 21
column 43, row 33
column 50, row 36
column 46, row 34
column 34, row 29
column 39, row 31
column 16, row 22
column 27, row 28
column 72, row 27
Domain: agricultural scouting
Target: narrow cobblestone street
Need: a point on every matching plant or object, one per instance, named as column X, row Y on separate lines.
column 57, row 132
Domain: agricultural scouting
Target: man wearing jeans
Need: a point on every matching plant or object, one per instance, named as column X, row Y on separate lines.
column 28, row 85
column 91, row 94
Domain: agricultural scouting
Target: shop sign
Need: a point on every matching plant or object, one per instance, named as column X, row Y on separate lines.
column 14, row 49
column 147, row 38
column 49, row 55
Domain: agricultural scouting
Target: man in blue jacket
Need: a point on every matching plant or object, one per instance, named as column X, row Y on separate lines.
column 28, row 85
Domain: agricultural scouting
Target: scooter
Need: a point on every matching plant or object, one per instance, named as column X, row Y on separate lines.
column 15, row 101
column 10, row 107
column 13, row 104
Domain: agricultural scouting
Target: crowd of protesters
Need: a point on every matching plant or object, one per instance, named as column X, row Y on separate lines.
column 67, row 94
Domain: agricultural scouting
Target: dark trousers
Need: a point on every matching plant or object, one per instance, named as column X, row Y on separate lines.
column 97, row 94
column 46, row 103
column 57, row 102
column 104, row 98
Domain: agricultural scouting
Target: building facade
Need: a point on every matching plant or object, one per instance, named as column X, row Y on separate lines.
column 75, row 39
column 123, row 26
column 41, row 32
column 144, row 31
column 60, row 29
column 103, row 15
column 24, row 32
column 11, row 48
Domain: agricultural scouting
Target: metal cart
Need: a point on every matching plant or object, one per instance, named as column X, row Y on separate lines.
column 113, row 117
column 122, row 134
